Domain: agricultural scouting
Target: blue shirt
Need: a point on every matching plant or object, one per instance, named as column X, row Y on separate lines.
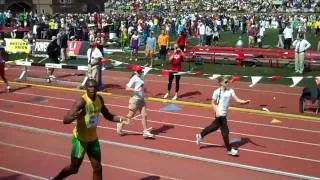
column 150, row 43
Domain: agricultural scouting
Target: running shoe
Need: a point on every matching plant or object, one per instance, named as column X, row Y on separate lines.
column 198, row 138
column 175, row 97
column 166, row 96
column 8, row 88
column 147, row 134
column 233, row 152
column 119, row 129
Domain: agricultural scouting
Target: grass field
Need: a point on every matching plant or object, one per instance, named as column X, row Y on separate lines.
column 270, row 39
column 227, row 39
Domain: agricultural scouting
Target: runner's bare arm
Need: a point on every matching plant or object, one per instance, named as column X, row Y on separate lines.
column 107, row 115
column 75, row 111
column 238, row 100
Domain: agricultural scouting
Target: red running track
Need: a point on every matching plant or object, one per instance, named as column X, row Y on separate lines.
column 275, row 97
column 292, row 146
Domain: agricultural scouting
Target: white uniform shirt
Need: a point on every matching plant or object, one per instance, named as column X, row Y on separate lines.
column 208, row 31
column 301, row 45
column 202, row 29
column 137, row 83
column 94, row 58
column 287, row 33
column 223, row 98
column 261, row 31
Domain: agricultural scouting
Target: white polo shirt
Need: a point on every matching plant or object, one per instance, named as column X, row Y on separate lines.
column 137, row 83
column 301, row 45
column 223, row 98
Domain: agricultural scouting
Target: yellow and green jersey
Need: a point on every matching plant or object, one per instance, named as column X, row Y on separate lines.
column 85, row 129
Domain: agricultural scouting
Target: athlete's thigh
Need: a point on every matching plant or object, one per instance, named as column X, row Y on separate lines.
column 143, row 108
column 78, row 149
column 94, row 153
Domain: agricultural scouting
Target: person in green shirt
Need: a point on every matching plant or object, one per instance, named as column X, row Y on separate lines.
column 1, row 19
column 21, row 18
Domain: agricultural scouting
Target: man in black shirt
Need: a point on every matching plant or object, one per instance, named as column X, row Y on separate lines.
column 53, row 51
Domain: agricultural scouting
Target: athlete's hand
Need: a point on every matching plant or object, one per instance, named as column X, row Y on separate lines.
column 76, row 115
column 246, row 102
column 125, row 120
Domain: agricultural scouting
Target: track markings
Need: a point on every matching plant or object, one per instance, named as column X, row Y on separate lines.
column 173, row 138
column 260, row 112
column 67, row 157
column 184, row 114
column 22, row 173
column 170, row 153
column 180, row 125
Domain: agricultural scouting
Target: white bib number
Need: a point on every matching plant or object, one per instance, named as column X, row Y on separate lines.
column 93, row 121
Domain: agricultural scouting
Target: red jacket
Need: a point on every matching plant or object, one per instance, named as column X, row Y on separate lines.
column 176, row 61
column 181, row 41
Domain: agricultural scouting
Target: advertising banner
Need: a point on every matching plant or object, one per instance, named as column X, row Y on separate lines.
column 75, row 48
column 16, row 46
column 41, row 47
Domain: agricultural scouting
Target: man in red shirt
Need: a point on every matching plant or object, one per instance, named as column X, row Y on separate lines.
column 175, row 66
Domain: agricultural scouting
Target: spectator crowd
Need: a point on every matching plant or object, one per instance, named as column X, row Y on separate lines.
column 206, row 26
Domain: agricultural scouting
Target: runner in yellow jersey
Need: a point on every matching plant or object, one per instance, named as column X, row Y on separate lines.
column 86, row 112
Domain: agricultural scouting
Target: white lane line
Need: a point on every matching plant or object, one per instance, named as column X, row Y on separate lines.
column 87, row 161
column 32, row 104
column 183, row 114
column 170, row 153
column 199, row 85
column 180, row 125
column 242, row 134
column 177, row 139
column 22, row 173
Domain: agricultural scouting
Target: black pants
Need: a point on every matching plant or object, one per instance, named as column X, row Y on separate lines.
column 287, row 43
column 208, row 40
column 219, row 122
column 171, row 76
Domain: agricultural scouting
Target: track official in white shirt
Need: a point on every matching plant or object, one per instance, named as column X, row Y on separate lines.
column 94, row 58
column 300, row 45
